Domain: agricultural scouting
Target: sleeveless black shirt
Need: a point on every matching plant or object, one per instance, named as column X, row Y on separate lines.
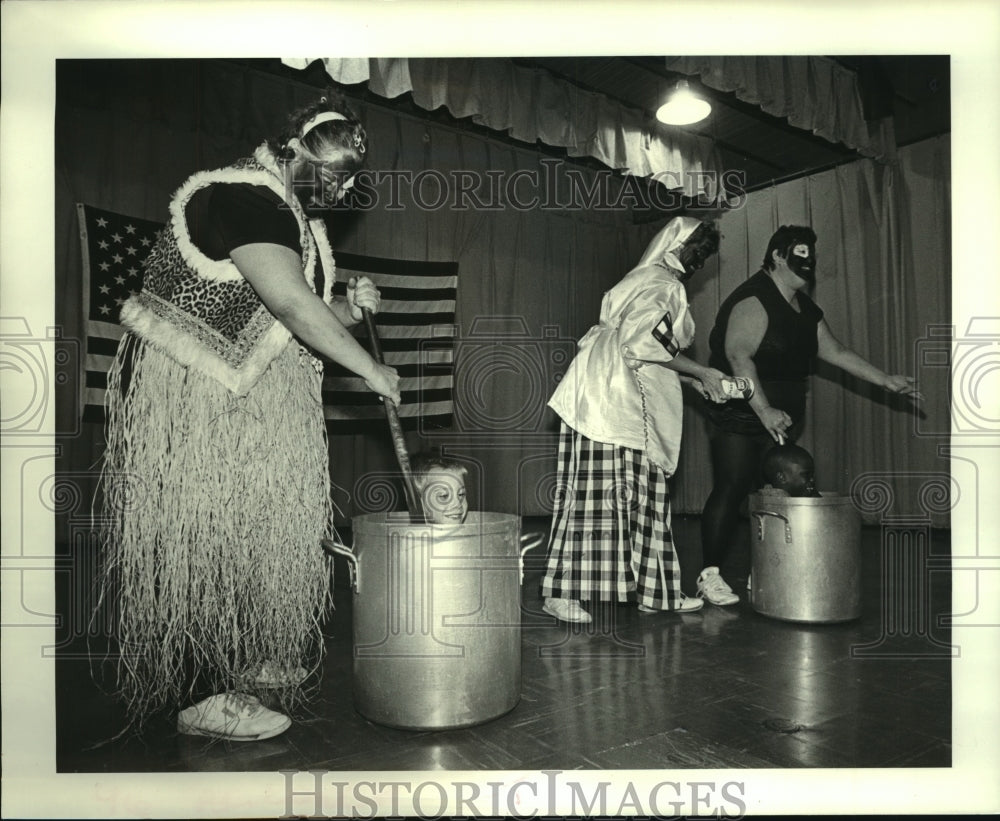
column 784, row 359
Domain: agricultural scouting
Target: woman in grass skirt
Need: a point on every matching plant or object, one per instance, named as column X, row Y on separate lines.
column 216, row 473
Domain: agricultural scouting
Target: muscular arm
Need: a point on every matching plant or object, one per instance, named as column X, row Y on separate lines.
column 744, row 333
column 836, row 353
column 833, row 351
column 275, row 272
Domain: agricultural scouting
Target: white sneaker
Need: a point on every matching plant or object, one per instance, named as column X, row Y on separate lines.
column 566, row 610
column 713, row 587
column 232, row 716
column 686, row 605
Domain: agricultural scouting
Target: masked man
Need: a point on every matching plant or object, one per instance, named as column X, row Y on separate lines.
column 769, row 330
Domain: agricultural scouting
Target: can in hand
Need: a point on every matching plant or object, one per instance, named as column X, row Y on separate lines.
column 738, row 387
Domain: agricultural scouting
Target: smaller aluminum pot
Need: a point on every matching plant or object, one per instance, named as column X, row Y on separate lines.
column 436, row 618
column 805, row 557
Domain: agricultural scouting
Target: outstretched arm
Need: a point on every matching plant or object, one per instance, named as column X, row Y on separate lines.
column 833, row 351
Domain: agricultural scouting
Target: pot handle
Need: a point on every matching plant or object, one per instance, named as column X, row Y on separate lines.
column 353, row 570
column 528, row 537
column 760, row 514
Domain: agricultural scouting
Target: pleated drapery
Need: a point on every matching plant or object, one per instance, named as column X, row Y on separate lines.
column 884, row 284
column 531, row 105
column 815, row 94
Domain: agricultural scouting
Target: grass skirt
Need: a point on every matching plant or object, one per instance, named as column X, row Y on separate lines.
column 216, row 505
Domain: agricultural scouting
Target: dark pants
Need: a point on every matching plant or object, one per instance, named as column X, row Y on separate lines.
column 736, row 471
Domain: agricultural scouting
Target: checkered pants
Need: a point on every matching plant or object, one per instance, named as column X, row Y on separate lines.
column 610, row 526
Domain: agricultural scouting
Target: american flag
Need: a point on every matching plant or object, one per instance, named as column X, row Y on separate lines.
column 113, row 249
column 416, row 324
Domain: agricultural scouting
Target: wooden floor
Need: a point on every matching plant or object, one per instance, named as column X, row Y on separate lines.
column 720, row 688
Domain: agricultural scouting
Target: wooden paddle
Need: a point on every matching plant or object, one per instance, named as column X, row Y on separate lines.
column 396, row 429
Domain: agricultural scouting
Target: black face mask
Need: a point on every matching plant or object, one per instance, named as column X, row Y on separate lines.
column 693, row 255
column 801, row 259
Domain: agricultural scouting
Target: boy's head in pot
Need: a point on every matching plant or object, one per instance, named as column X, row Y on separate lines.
column 441, row 484
column 791, row 469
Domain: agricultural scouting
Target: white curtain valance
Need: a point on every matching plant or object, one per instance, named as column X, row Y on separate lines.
column 530, row 104
column 815, row 93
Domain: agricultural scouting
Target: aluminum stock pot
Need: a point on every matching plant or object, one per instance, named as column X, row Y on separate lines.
column 437, row 618
column 805, row 557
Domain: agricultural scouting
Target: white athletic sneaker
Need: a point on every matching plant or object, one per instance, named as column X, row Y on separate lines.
column 232, row 716
column 686, row 605
column 566, row 610
column 713, row 587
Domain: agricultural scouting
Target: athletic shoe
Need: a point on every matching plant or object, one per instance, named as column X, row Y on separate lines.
column 232, row 716
column 713, row 587
column 566, row 610
column 686, row 605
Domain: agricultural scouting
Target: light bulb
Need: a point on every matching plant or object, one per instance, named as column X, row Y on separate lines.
column 683, row 107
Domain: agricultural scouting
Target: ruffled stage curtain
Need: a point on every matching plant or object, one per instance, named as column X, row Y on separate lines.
column 530, row 105
column 816, row 94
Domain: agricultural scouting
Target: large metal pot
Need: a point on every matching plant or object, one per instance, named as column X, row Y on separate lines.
column 805, row 557
column 437, row 618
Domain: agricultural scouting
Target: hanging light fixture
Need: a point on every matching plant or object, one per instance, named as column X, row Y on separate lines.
column 683, row 107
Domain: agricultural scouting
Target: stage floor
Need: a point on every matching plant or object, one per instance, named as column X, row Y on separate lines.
column 720, row 688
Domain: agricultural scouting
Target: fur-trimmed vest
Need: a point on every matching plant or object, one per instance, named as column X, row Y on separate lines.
column 202, row 312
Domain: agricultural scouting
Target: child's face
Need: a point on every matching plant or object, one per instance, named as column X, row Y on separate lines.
column 443, row 497
column 798, row 478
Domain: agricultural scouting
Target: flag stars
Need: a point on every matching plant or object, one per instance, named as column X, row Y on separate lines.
column 133, row 271
column 103, row 245
column 116, row 237
column 145, row 242
column 117, row 259
column 105, row 309
column 131, row 250
column 105, row 289
column 120, row 280
column 129, row 229
column 102, row 222
column 104, row 266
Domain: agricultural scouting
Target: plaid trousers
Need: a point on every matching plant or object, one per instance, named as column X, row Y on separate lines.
column 610, row 526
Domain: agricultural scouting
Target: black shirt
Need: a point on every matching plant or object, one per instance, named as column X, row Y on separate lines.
column 225, row 216
column 784, row 359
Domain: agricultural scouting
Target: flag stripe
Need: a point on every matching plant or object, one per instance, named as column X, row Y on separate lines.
column 416, row 324
column 345, row 399
column 414, row 319
column 398, row 338
column 348, row 426
column 397, row 267
column 409, row 306
column 376, row 412
column 399, row 292
column 416, row 374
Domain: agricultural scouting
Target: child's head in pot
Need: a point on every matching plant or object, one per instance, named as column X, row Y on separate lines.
column 441, row 484
column 790, row 468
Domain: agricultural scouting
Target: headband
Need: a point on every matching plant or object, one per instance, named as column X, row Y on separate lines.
column 322, row 117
